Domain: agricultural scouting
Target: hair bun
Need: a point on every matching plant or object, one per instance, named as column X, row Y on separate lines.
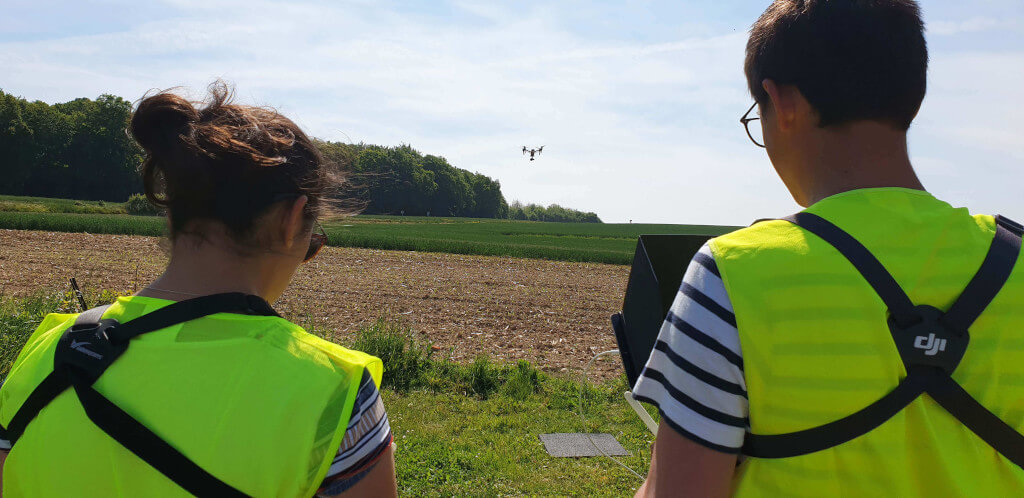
column 160, row 121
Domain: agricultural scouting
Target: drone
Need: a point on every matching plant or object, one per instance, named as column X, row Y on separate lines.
column 533, row 151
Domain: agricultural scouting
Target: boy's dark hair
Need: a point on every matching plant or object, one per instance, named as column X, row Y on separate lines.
column 851, row 59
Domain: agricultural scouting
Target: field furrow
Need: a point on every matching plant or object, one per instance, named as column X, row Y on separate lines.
column 554, row 314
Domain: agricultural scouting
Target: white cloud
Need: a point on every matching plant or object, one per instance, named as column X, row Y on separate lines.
column 973, row 25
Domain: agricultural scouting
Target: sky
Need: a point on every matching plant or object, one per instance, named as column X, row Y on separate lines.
column 636, row 102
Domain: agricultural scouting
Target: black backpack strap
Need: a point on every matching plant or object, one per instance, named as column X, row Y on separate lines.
column 149, row 447
column 901, row 309
column 92, row 316
column 191, row 309
column 842, row 430
column 54, row 384
column 91, row 345
column 930, row 374
column 900, row 306
column 987, row 282
column 983, row 423
column 1014, row 227
column 995, row 270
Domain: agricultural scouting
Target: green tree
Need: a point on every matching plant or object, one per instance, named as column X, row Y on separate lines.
column 102, row 159
column 15, row 145
column 454, row 195
column 79, row 149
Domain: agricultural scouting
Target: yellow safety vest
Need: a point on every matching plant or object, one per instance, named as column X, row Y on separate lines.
column 253, row 400
column 817, row 348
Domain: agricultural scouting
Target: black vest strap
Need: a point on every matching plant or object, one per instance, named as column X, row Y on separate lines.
column 982, row 289
column 54, row 384
column 900, row 306
column 78, row 362
column 983, row 423
column 840, row 431
column 185, row 311
column 149, row 447
column 925, row 374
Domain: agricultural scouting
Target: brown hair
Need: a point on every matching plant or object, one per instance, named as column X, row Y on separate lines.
column 221, row 161
column 852, row 59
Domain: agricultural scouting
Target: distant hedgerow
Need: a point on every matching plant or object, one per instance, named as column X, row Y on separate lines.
column 138, row 204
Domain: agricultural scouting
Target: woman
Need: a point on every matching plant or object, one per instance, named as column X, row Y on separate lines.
column 211, row 393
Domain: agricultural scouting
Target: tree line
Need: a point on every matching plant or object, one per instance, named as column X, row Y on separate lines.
column 79, row 150
column 554, row 212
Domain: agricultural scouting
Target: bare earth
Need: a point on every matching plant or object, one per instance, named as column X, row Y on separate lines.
column 553, row 314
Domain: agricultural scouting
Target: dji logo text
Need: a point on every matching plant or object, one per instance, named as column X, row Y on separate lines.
column 930, row 344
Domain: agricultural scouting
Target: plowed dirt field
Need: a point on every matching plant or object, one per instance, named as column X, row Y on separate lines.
column 553, row 314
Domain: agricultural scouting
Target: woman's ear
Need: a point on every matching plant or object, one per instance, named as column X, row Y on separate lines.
column 294, row 221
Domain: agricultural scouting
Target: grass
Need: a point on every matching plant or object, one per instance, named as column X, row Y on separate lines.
column 410, row 365
column 578, row 242
column 15, row 203
column 453, row 445
column 117, row 224
column 461, row 430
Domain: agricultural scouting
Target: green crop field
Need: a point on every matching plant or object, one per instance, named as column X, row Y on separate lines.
column 582, row 242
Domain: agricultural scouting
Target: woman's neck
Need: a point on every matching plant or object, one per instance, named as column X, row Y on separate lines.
column 204, row 268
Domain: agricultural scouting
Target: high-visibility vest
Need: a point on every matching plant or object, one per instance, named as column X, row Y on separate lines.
column 253, row 400
column 817, row 347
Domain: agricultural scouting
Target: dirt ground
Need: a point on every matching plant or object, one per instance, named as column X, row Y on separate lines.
column 554, row 314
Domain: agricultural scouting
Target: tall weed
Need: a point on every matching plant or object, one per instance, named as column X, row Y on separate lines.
column 406, row 360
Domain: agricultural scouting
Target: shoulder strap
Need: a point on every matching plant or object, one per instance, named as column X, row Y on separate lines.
column 983, row 423
column 51, row 386
column 188, row 310
column 995, row 270
column 993, row 273
column 900, row 306
column 54, row 384
column 149, row 447
column 92, row 316
column 110, row 418
column 842, row 430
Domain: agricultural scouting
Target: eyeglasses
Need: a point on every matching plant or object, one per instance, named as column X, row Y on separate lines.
column 317, row 241
column 756, row 136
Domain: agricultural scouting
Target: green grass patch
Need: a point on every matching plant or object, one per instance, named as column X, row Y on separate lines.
column 406, row 361
column 454, row 445
column 27, row 204
column 409, row 364
column 461, row 430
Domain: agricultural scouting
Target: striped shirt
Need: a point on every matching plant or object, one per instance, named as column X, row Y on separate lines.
column 367, row 437
column 695, row 373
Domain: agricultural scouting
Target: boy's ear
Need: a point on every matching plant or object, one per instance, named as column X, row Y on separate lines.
column 789, row 104
column 784, row 103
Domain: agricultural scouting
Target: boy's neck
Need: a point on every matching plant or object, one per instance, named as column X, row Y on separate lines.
column 858, row 155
